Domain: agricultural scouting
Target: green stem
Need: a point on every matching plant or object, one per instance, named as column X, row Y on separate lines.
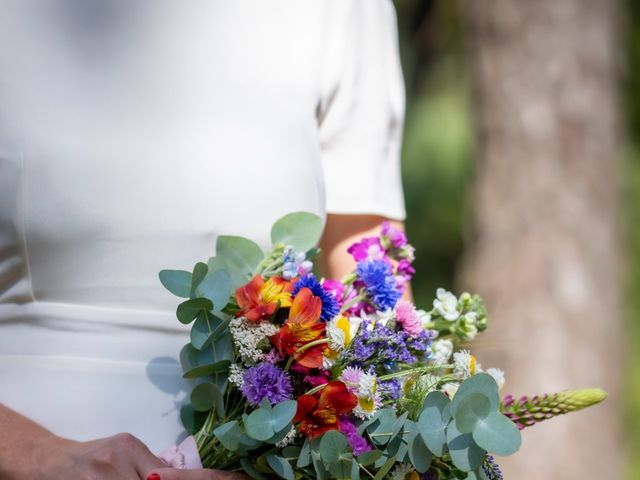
column 352, row 302
column 411, row 371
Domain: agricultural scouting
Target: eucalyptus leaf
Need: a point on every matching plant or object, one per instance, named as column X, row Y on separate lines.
column 216, row 287
column 304, row 459
column 250, row 470
column 191, row 420
column 465, row 453
column 472, row 409
column 206, row 396
column 229, row 435
column 480, row 383
column 341, row 468
column 281, row 466
column 419, row 454
column 433, row 421
column 177, row 282
column 190, row 309
column 240, row 254
column 301, row 230
column 259, row 425
column 199, row 272
column 385, row 469
column 367, row 458
column 332, row 444
column 318, row 465
column 497, row 434
column 283, row 413
column 212, row 369
column 381, row 430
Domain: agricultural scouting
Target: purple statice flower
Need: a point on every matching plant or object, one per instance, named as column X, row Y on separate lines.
column 330, row 306
column 396, row 237
column 377, row 278
column 367, row 249
column 265, row 380
column 391, row 388
column 357, row 442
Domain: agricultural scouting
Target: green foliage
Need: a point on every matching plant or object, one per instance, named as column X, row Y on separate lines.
column 300, row 230
column 177, row 282
column 270, row 424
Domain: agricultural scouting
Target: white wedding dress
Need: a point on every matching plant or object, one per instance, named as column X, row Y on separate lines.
column 132, row 133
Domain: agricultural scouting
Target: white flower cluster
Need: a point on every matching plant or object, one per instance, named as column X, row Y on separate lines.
column 465, row 366
column 236, row 375
column 442, row 351
column 288, row 438
column 447, row 305
column 248, row 335
column 402, row 471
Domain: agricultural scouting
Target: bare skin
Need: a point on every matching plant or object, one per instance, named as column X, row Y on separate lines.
column 30, row 452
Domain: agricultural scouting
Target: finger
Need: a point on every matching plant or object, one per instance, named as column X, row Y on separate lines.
column 137, row 454
column 206, row 474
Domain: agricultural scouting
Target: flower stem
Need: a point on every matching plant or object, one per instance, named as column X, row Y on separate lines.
column 306, row 346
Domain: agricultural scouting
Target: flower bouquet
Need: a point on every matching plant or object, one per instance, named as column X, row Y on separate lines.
column 299, row 377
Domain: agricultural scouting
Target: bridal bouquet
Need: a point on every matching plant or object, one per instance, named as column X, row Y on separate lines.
column 299, row 377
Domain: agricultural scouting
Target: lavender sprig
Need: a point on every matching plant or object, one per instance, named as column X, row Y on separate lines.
column 527, row 411
column 491, row 469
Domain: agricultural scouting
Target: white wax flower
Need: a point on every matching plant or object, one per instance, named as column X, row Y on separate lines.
column 446, row 304
column 442, row 351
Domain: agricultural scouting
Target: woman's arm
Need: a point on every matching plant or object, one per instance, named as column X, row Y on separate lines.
column 30, row 452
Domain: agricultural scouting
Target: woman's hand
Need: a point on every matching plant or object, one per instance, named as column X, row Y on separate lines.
column 173, row 474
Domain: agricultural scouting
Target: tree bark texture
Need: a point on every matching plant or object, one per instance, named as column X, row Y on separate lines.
column 543, row 242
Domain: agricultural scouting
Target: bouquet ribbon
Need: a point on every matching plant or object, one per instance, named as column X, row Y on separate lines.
column 184, row 456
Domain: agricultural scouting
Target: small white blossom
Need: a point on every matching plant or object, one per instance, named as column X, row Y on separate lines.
column 498, row 376
column 424, row 317
column 328, row 362
column 465, row 365
column 401, row 471
column 247, row 335
column 337, row 332
column 447, row 305
column 289, row 437
column 442, row 351
column 236, row 375
column 450, row 389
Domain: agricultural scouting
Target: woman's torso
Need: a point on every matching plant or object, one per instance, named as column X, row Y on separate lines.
column 131, row 135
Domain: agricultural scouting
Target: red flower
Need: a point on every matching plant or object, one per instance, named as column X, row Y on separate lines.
column 258, row 300
column 316, row 416
column 302, row 327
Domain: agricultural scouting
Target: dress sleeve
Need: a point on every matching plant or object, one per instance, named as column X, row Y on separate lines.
column 361, row 112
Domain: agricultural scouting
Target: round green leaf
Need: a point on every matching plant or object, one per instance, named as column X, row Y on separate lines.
column 216, row 286
column 280, row 466
column 419, row 454
column 247, row 466
column 177, row 282
column 229, row 435
column 472, row 409
column 199, row 272
column 433, row 421
column 203, row 397
column 190, row 309
column 332, row 444
column 367, row 458
column 301, row 230
column 304, row 459
column 497, row 434
column 259, row 425
column 465, row 453
column 205, row 370
column 481, row 383
column 191, row 419
column 241, row 254
column 283, row 413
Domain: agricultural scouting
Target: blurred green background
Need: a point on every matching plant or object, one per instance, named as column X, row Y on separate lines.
column 438, row 166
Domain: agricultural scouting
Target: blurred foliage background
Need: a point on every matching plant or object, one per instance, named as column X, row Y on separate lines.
column 438, row 165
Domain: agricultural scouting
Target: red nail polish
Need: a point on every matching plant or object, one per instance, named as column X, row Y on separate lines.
column 153, row 476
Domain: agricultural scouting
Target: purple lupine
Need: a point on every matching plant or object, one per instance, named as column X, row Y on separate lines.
column 491, row 469
column 527, row 411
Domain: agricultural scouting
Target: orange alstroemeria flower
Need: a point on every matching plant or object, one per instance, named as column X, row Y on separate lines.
column 316, row 416
column 302, row 327
column 258, row 300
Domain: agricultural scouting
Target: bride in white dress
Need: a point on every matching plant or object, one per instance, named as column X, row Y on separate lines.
column 132, row 133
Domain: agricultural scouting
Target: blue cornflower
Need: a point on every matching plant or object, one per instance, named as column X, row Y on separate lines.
column 330, row 307
column 265, row 380
column 379, row 282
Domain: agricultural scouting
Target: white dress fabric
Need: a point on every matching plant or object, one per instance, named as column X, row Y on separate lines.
column 132, row 133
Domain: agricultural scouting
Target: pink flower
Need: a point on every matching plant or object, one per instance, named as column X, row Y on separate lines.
column 367, row 249
column 406, row 316
column 396, row 237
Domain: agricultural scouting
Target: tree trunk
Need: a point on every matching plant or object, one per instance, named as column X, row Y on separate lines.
column 543, row 245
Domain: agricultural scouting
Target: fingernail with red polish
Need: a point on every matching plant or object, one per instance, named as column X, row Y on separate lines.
column 153, row 476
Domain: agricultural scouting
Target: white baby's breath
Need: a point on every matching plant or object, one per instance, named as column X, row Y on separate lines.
column 247, row 335
column 236, row 375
